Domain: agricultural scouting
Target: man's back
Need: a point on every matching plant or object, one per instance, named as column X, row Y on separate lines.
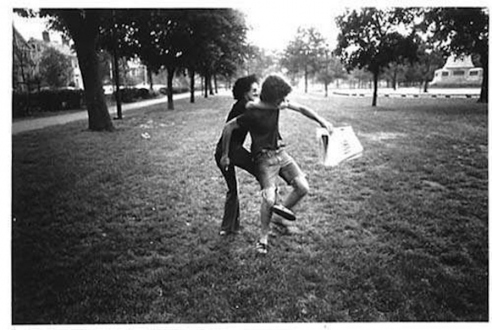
column 262, row 125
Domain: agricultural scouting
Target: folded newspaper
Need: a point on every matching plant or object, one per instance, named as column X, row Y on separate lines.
column 339, row 146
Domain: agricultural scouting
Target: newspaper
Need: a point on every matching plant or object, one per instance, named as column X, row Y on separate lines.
column 339, row 146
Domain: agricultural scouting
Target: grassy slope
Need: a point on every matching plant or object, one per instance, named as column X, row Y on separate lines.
column 112, row 227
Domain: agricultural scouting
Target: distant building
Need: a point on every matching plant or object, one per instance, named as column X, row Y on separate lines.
column 28, row 54
column 458, row 72
column 40, row 45
column 23, row 66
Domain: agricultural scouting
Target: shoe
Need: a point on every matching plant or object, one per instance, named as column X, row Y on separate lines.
column 286, row 227
column 261, row 248
column 284, row 212
column 222, row 233
column 282, row 222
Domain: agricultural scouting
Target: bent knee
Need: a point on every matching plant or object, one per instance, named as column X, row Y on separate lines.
column 301, row 185
column 269, row 196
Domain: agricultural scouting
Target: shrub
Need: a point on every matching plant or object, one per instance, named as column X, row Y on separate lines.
column 24, row 104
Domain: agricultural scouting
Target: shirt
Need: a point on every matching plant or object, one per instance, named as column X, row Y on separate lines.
column 262, row 125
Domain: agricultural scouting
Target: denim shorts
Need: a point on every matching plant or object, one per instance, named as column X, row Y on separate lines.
column 271, row 163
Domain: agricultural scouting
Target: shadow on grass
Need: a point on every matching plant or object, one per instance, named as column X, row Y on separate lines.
column 122, row 227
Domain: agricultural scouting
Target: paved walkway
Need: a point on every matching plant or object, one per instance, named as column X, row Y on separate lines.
column 38, row 123
column 412, row 92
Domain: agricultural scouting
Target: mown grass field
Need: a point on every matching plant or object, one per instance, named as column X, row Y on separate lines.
column 117, row 228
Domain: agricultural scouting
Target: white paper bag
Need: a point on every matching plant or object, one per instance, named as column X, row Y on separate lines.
column 341, row 145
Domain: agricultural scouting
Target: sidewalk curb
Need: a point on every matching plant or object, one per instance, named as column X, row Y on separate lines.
column 61, row 119
column 396, row 95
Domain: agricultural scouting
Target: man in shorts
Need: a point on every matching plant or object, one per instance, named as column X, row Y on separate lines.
column 261, row 119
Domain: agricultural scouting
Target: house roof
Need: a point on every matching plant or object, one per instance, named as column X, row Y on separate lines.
column 18, row 37
column 454, row 62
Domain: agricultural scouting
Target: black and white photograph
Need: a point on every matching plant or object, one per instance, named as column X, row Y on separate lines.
column 246, row 165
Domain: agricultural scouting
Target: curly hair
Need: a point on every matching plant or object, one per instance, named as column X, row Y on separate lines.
column 242, row 86
column 274, row 89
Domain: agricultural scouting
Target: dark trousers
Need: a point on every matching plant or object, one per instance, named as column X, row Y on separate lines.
column 239, row 157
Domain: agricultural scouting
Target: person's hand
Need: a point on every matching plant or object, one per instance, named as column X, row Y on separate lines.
column 225, row 162
column 284, row 104
column 328, row 126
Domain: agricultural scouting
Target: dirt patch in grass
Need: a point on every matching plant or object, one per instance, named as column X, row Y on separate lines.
column 122, row 227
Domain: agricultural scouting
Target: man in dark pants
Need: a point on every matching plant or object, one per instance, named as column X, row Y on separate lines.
column 261, row 119
column 245, row 89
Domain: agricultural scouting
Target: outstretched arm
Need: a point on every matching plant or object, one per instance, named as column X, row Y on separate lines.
column 311, row 114
column 229, row 127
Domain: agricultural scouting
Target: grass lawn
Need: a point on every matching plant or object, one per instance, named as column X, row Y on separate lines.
column 117, row 228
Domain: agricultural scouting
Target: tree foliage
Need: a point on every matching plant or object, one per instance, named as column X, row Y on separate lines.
column 83, row 27
column 206, row 41
column 330, row 69
column 371, row 38
column 258, row 61
column 429, row 60
column 54, row 68
column 218, row 42
column 462, row 31
column 305, row 53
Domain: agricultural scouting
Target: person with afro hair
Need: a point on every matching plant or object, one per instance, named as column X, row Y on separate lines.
column 245, row 89
column 261, row 120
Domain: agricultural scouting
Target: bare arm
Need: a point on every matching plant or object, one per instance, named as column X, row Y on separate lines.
column 311, row 114
column 229, row 127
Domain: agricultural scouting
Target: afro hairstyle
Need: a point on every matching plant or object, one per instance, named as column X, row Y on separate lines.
column 242, row 86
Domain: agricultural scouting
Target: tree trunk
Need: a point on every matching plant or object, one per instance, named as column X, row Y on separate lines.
column 326, row 89
column 99, row 119
column 117, row 94
column 395, row 73
column 119, row 113
column 170, row 75
column 484, row 91
column 305, row 81
column 151, row 79
column 191, row 72
column 209, row 77
column 205, row 87
column 215, row 83
column 426, row 85
column 375, row 94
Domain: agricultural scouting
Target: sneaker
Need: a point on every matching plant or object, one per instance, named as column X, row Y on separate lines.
column 261, row 248
column 284, row 212
column 282, row 222
column 286, row 227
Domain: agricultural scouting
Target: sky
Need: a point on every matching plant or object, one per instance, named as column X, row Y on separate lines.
column 273, row 28
column 271, row 25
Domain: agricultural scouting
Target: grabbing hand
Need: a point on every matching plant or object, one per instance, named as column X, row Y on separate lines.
column 225, row 162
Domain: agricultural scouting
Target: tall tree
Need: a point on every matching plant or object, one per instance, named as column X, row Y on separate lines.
column 369, row 38
column 327, row 71
column 158, row 38
column 258, row 61
column 429, row 60
column 463, row 31
column 305, row 53
column 83, row 26
column 217, row 39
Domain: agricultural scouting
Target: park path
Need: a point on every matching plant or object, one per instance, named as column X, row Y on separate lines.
column 38, row 123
